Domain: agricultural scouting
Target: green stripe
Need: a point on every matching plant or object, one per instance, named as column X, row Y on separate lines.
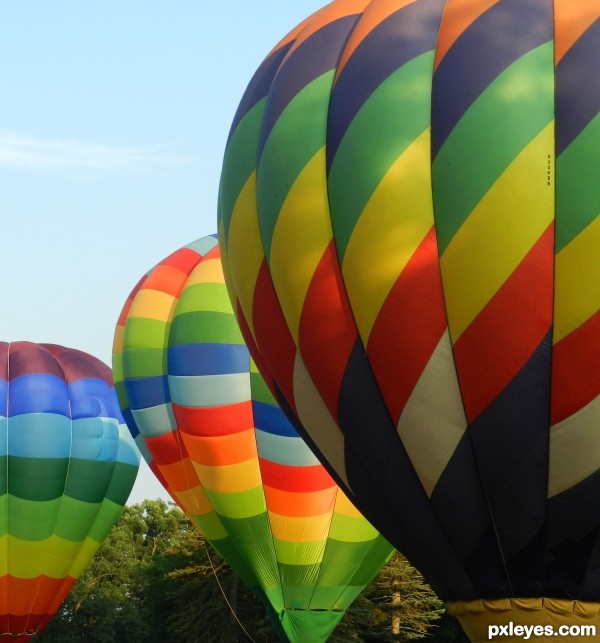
column 37, row 479
column 107, row 516
column 260, row 390
column 210, row 297
column 507, row 116
column 395, row 115
column 122, row 482
column 297, row 136
column 239, row 505
column 205, row 327
column 298, row 575
column 239, row 162
column 144, row 362
column 341, row 561
column 577, row 185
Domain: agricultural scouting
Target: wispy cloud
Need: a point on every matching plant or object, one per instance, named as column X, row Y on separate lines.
column 35, row 154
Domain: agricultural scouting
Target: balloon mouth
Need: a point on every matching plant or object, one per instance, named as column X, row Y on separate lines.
column 531, row 619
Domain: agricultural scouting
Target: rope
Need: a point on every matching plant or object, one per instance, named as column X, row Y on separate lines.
column 224, row 595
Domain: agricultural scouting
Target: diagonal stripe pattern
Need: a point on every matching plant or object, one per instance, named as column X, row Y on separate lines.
column 410, row 230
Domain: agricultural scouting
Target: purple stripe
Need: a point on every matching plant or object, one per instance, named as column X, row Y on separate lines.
column 260, row 85
column 500, row 36
column 314, row 57
column 578, row 87
column 401, row 37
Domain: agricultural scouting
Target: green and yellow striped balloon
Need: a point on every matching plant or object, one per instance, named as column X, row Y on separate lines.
column 409, row 220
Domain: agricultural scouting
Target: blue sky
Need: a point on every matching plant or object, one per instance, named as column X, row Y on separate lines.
column 113, row 122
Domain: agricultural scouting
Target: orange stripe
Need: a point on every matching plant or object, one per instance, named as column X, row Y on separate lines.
column 300, row 504
column 373, row 16
column 571, row 19
column 458, row 16
column 330, row 13
column 180, row 475
column 21, row 593
column 166, row 279
column 216, row 451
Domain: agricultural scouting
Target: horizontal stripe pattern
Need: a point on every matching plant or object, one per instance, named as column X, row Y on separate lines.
column 233, row 460
column 67, row 466
column 421, row 282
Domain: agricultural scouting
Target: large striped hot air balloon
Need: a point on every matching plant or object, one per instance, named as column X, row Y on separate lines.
column 67, row 466
column 409, row 220
column 229, row 456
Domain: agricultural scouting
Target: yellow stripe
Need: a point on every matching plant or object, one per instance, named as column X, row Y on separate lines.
column 392, row 225
column 208, row 271
column 301, row 235
column 498, row 234
column 118, row 340
column 245, row 253
column 304, row 529
column 577, row 281
column 55, row 557
column 152, row 304
column 344, row 506
column 194, row 500
column 230, row 478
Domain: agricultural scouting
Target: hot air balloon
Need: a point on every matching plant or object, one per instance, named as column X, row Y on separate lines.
column 409, row 224
column 229, row 455
column 68, row 464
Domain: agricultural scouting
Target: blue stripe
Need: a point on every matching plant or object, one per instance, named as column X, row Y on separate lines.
column 316, row 56
column 3, row 397
column 403, row 36
column 499, row 37
column 147, row 391
column 291, row 452
column 208, row 359
column 259, row 86
column 155, row 420
column 578, row 87
column 96, row 439
column 201, row 391
column 203, row 245
column 130, row 422
column 93, row 398
column 272, row 419
column 128, row 452
column 39, row 435
column 38, row 393
column 3, row 436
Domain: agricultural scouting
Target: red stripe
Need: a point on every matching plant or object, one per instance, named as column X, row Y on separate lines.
column 166, row 449
column 277, row 348
column 327, row 329
column 214, row 420
column 503, row 337
column 576, row 370
column 300, row 479
column 413, row 309
column 183, row 259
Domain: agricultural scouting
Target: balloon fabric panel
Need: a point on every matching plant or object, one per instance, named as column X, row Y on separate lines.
column 233, row 461
column 412, row 251
column 68, row 465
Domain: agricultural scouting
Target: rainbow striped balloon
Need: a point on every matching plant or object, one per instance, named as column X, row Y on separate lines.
column 228, row 455
column 409, row 220
column 67, row 466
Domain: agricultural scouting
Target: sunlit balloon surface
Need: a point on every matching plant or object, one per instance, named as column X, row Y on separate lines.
column 409, row 220
column 212, row 432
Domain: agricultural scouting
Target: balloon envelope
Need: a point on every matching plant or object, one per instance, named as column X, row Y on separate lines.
column 227, row 453
column 409, row 220
column 67, row 466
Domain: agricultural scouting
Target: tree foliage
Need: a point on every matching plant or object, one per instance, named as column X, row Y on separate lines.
column 156, row 579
